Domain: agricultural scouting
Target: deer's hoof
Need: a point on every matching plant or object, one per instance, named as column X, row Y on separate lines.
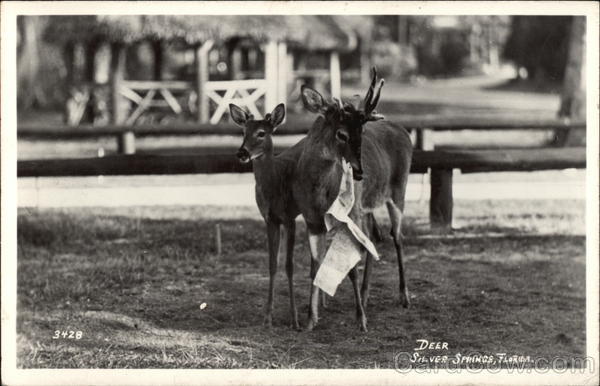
column 362, row 324
column 404, row 299
column 295, row 325
column 268, row 321
column 311, row 324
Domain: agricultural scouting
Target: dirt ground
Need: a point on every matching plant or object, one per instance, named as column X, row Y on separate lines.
column 510, row 279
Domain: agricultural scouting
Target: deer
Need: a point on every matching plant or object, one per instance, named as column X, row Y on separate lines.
column 380, row 154
column 273, row 192
column 273, row 175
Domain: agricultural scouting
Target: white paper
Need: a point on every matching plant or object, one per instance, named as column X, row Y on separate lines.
column 345, row 249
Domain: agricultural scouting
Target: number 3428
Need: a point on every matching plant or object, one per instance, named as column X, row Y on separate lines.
column 67, row 334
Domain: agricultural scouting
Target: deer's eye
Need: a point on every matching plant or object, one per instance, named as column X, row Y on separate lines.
column 341, row 136
column 260, row 134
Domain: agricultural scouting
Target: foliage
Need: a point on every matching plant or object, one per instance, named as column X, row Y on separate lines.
column 539, row 44
column 445, row 54
column 40, row 67
column 310, row 32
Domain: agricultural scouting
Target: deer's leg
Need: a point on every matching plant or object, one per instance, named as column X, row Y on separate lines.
column 316, row 242
column 273, row 241
column 375, row 229
column 324, row 300
column 360, row 311
column 396, row 220
column 369, row 224
column 289, row 230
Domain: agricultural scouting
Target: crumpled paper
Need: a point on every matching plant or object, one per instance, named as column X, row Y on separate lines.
column 345, row 249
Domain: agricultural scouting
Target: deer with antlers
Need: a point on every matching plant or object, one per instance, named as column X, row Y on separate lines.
column 380, row 154
column 273, row 175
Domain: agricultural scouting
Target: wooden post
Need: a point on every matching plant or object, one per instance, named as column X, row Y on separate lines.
column 117, row 73
column 440, row 202
column 157, row 50
column 235, row 61
column 423, row 139
column 335, row 75
column 271, row 64
column 282, row 70
column 201, row 60
column 102, row 63
column 69, row 59
column 572, row 99
column 218, row 244
column 365, row 60
column 79, row 62
column 419, row 139
column 126, row 143
column 90, row 61
column 291, row 78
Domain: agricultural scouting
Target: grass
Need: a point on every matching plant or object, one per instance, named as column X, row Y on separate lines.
column 510, row 279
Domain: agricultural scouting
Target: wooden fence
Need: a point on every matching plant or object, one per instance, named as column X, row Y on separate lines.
column 126, row 135
column 441, row 163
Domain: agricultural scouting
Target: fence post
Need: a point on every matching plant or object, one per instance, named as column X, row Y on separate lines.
column 335, row 77
column 282, row 69
column 440, row 202
column 117, row 74
column 271, row 71
column 423, row 139
column 126, row 142
column 202, row 69
column 218, row 244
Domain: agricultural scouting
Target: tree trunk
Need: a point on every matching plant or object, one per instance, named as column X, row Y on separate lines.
column 572, row 100
column 28, row 61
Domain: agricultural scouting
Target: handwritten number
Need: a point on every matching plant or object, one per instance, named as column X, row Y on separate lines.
column 70, row 334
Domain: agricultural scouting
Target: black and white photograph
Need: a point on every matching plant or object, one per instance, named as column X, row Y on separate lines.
column 405, row 189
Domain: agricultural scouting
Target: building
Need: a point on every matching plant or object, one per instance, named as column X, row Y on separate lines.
column 122, row 68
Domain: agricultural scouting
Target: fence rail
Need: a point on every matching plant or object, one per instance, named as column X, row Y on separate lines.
column 468, row 161
column 440, row 162
column 291, row 128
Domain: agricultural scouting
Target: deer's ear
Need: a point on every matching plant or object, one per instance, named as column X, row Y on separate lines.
column 239, row 116
column 277, row 115
column 313, row 101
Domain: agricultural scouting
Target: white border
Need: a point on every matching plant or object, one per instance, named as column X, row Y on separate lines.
column 10, row 375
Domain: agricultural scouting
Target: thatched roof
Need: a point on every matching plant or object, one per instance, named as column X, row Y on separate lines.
column 311, row 32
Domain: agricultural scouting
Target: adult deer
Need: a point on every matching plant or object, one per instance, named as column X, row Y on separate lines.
column 380, row 154
column 273, row 176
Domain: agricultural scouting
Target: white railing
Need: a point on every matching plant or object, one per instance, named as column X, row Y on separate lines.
column 244, row 93
column 148, row 94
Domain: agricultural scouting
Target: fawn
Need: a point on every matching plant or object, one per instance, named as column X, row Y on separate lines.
column 273, row 176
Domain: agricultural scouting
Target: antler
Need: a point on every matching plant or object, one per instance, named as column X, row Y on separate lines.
column 373, row 94
column 371, row 88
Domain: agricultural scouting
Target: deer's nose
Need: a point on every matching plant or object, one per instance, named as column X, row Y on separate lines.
column 243, row 155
